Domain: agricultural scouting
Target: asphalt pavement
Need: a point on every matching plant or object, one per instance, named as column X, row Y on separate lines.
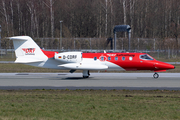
column 129, row 81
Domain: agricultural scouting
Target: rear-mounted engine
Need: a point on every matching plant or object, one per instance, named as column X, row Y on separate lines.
column 69, row 57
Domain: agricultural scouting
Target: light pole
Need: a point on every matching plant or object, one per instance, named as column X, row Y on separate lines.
column 0, row 36
column 60, row 34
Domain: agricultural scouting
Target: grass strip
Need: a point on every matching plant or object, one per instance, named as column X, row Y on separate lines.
column 89, row 104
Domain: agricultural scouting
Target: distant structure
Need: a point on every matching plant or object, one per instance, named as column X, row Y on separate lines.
column 109, row 40
column 122, row 28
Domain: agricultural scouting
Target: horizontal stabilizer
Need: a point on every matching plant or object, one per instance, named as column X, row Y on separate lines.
column 23, row 38
column 77, row 66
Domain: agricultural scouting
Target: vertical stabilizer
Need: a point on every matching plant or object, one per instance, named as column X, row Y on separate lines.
column 27, row 50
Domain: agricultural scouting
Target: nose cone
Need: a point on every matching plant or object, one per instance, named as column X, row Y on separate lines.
column 163, row 66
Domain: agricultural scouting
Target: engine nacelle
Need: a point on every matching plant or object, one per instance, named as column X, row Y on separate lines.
column 69, row 57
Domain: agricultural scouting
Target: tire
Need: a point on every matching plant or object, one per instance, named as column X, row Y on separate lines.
column 85, row 76
column 156, row 75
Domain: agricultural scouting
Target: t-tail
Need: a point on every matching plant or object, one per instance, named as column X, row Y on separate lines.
column 27, row 51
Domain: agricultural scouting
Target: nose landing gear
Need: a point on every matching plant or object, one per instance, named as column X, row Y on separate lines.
column 156, row 75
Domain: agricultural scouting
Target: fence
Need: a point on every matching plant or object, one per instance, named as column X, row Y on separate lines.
column 154, row 46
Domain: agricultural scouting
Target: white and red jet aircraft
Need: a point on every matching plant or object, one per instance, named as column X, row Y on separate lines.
column 28, row 52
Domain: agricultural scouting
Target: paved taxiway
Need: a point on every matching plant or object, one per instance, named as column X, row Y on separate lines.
column 129, row 81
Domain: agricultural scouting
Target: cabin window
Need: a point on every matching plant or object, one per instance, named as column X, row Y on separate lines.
column 146, row 57
column 109, row 58
column 116, row 58
column 123, row 58
column 95, row 58
column 102, row 58
column 130, row 58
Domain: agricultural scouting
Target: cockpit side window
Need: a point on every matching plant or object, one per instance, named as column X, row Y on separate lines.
column 146, row 57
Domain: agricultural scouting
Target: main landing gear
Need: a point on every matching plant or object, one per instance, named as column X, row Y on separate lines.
column 86, row 73
column 156, row 75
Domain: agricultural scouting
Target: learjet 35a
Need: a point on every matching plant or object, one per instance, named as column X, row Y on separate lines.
column 28, row 52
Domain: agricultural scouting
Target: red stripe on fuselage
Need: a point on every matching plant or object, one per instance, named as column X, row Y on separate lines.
column 49, row 54
column 128, row 61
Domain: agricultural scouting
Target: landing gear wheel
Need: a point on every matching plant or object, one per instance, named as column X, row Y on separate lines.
column 86, row 74
column 156, row 75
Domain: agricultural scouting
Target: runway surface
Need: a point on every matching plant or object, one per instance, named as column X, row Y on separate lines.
column 128, row 81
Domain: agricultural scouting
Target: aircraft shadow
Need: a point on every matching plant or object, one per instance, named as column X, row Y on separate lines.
column 72, row 78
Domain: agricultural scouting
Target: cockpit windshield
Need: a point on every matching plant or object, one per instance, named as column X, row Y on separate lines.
column 146, row 57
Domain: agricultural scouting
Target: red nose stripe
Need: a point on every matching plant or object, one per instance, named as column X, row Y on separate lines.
column 163, row 66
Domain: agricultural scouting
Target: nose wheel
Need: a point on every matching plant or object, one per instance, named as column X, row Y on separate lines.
column 156, row 75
